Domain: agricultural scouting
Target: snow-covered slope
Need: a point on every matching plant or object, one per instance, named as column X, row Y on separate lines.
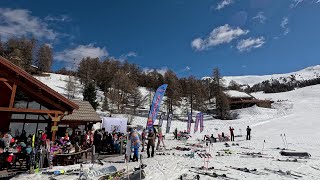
column 304, row 74
column 295, row 114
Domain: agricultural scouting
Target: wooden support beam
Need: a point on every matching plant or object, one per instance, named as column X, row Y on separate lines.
column 3, row 79
column 13, row 95
column 55, row 120
column 31, row 111
column 6, row 83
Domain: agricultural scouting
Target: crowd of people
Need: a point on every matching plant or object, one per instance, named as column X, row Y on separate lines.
column 22, row 146
column 105, row 142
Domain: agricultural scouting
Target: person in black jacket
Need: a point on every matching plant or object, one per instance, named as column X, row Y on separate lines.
column 248, row 133
column 151, row 143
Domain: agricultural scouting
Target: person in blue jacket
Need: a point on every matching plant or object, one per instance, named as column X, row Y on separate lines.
column 135, row 143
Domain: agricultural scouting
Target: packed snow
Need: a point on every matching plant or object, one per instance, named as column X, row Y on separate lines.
column 236, row 94
column 304, row 74
column 295, row 114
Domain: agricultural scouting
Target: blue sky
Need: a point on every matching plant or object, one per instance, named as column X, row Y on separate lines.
column 191, row 37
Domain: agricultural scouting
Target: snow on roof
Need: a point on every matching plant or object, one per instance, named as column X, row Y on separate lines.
column 236, row 94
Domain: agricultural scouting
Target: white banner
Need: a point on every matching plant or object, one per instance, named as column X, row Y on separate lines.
column 115, row 124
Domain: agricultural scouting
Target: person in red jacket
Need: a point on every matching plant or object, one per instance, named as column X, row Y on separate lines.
column 231, row 133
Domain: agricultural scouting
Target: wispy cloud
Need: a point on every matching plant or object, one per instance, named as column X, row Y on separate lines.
column 127, row 55
column 260, row 17
column 73, row 56
column 59, row 18
column 162, row 70
column 220, row 35
column 318, row 1
column 284, row 25
column 223, row 4
column 295, row 3
column 20, row 22
column 251, row 43
column 244, row 66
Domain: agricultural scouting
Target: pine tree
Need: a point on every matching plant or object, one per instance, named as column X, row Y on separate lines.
column 90, row 94
column 222, row 104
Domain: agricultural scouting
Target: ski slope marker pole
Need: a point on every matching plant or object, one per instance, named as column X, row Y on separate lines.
column 286, row 140
column 283, row 141
column 264, row 141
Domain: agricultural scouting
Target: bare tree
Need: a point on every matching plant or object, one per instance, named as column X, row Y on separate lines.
column 44, row 58
column 71, row 87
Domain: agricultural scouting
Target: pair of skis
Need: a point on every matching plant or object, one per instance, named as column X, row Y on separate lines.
column 284, row 173
column 214, row 175
column 246, row 170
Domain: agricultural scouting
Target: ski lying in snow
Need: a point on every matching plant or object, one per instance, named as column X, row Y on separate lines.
column 282, row 173
column 203, row 168
column 251, row 153
column 290, row 160
column 256, row 156
column 185, row 177
column 283, row 149
column 252, row 171
column 214, row 175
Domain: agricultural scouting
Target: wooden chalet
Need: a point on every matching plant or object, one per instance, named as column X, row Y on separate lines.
column 238, row 100
column 28, row 104
column 81, row 119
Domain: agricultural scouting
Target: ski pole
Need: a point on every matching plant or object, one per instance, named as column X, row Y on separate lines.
column 140, row 164
column 286, row 140
column 264, row 141
column 283, row 141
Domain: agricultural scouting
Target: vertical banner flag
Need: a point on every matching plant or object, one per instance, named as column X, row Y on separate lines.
column 201, row 122
column 161, row 119
column 169, row 119
column 156, row 102
column 196, row 124
column 189, row 122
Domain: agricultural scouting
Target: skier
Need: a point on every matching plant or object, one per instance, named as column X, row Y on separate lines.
column 231, row 133
column 143, row 137
column 135, row 143
column 151, row 143
column 160, row 138
column 176, row 133
column 248, row 133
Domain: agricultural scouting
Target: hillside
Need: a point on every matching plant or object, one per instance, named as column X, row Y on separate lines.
column 304, row 74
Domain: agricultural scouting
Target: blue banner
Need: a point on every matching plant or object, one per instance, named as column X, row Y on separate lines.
column 201, row 122
column 156, row 102
column 196, row 124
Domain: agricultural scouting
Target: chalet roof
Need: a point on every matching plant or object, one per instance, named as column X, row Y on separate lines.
column 42, row 92
column 85, row 113
column 237, row 94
